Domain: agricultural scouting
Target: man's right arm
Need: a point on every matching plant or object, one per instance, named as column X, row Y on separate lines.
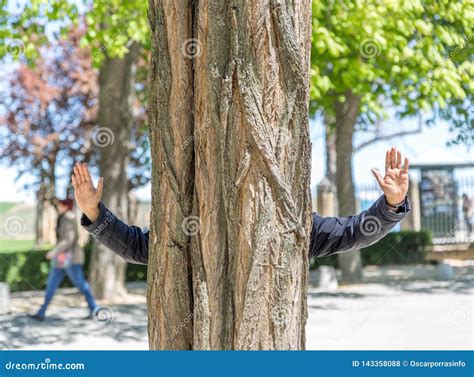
column 129, row 242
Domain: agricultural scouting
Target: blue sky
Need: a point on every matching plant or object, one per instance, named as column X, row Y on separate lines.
column 428, row 146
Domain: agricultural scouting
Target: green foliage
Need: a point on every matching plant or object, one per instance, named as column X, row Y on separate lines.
column 404, row 247
column 24, row 270
column 24, row 30
column 28, row 270
column 111, row 26
column 415, row 55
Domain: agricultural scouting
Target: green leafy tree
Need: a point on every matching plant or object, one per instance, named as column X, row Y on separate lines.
column 370, row 55
column 117, row 34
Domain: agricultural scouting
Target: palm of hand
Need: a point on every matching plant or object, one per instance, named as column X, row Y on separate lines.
column 86, row 194
column 395, row 182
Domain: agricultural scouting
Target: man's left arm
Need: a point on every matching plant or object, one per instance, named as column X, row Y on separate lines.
column 332, row 235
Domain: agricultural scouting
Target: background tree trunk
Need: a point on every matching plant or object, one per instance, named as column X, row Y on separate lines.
column 228, row 108
column 39, row 217
column 46, row 193
column 116, row 81
column 330, row 143
column 346, row 115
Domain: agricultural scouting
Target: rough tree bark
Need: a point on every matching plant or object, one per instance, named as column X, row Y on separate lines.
column 346, row 115
column 116, row 80
column 228, row 109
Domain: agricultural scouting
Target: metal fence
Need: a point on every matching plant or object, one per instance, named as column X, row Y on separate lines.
column 445, row 202
column 450, row 222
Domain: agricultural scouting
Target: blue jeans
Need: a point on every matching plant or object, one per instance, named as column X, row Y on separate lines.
column 55, row 278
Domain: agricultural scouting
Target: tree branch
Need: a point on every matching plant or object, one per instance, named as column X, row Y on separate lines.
column 387, row 137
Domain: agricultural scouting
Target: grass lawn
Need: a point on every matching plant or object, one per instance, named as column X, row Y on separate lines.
column 11, row 245
column 5, row 206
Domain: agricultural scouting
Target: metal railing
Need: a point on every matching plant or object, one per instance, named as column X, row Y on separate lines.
column 443, row 206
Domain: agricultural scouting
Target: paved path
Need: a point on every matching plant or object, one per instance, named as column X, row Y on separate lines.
column 398, row 308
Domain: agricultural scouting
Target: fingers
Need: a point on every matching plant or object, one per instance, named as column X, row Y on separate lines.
column 405, row 166
column 74, row 181
column 81, row 171
column 393, row 159
column 399, row 160
column 85, row 173
column 77, row 174
column 81, row 174
column 378, row 177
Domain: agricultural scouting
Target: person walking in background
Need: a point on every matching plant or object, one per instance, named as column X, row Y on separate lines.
column 466, row 213
column 67, row 258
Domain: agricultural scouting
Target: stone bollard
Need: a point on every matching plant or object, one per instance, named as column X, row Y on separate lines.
column 4, row 298
column 327, row 278
column 326, row 198
column 444, row 271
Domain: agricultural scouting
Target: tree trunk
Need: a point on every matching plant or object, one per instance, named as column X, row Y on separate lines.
column 346, row 115
column 39, row 217
column 331, row 155
column 45, row 193
column 116, row 82
column 228, row 109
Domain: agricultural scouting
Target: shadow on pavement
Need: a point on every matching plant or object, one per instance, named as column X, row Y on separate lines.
column 460, row 286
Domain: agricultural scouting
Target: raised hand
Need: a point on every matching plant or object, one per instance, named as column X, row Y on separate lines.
column 87, row 196
column 395, row 183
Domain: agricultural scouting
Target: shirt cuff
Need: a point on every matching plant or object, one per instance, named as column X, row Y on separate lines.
column 97, row 227
column 388, row 212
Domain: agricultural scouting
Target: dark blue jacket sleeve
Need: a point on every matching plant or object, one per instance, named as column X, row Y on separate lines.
column 332, row 235
column 129, row 242
column 329, row 235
